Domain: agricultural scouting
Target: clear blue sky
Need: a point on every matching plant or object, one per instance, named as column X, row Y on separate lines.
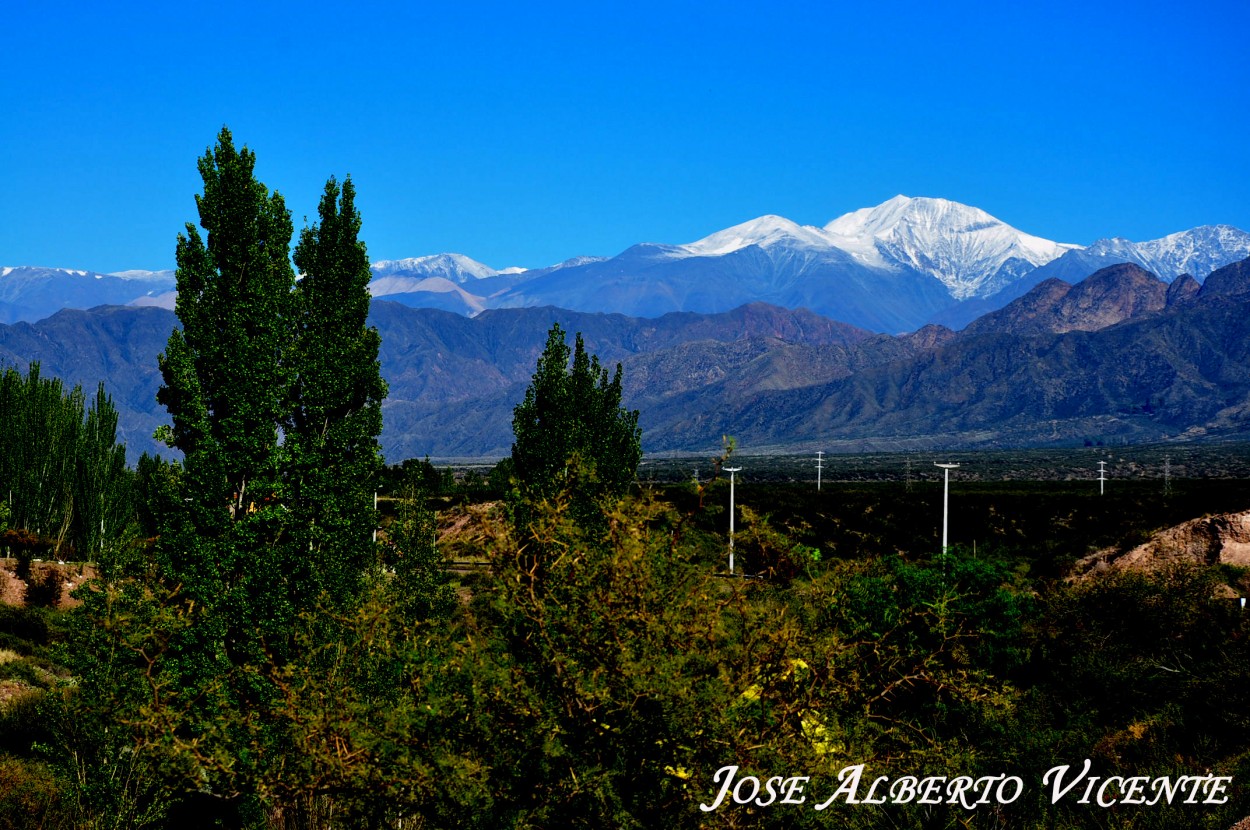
column 526, row 133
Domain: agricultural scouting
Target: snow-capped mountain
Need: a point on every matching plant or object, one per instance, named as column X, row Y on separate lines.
column 889, row 268
column 764, row 232
column 455, row 267
column 31, row 293
column 964, row 248
column 1196, row 252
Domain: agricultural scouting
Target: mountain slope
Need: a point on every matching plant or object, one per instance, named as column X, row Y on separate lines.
column 1196, row 252
column 1107, row 297
column 649, row 280
column 888, row 268
column 1120, row 356
column 966, row 249
column 28, row 294
column 1181, row 372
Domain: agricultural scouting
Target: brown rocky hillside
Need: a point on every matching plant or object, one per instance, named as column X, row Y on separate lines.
column 1222, row 539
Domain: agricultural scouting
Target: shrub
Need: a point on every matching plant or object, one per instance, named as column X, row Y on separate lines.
column 28, row 795
column 43, row 590
column 27, row 624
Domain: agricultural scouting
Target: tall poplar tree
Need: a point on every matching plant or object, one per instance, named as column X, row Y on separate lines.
column 275, row 398
column 335, row 414
column 225, row 382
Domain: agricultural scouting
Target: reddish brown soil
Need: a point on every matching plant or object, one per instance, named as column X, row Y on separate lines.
column 13, row 590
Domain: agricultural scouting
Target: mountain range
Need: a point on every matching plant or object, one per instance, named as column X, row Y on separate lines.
column 892, row 268
column 1119, row 356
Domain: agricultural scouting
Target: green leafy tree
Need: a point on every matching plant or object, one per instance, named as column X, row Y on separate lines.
column 64, row 475
column 336, row 400
column 574, row 411
column 421, row 587
column 225, row 390
column 265, row 530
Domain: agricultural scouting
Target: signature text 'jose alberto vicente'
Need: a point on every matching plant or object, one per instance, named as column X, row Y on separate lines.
column 968, row 792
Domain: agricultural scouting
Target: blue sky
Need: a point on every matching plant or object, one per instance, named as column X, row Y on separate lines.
column 526, row 133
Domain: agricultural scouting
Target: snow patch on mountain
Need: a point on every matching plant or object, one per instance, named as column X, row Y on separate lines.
column 1196, row 252
column 765, row 232
column 146, row 276
column 455, row 267
column 969, row 251
column 573, row 262
column 966, row 249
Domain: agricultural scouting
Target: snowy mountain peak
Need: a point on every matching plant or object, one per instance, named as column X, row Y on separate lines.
column 763, row 231
column 455, row 267
column 888, row 217
column 1196, row 252
column 966, row 249
column 148, row 276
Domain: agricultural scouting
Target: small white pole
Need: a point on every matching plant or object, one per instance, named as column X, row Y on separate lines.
column 731, row 471
column 819, row 467
column 946, row 496
column 1102, row 477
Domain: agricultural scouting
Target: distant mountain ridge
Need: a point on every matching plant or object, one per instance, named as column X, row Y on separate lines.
column 890, row 268
column 1196, row 252
column 1119, row 356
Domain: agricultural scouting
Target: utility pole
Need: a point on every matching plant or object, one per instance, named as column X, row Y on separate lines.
column 1102, row 477
column 820, row 461
column 946, row 495
column 731, row 471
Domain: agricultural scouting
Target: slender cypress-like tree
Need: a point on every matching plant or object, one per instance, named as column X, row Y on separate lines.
column 102, row 486
column 225, row 390
column 336, row 400
column 64, row 476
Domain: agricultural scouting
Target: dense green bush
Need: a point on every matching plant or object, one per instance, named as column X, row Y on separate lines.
column 29, row 624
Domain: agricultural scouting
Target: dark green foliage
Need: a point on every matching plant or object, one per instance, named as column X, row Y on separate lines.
column 43, row 590
column 336, row 401
column 263, row 532
column 226, row 555
column 1159, row 650
column 63, row 475
column 156, row 493
column 225, row 390
column 421, row 587
column 602, row 673
column 27, row 624
column 103, row 488
column 501, row 476
column 397, row 478
column 574, row 412
column 21, row 722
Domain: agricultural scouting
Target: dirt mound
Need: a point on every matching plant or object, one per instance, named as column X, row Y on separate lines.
column 1221, row 539
column 13, row 589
